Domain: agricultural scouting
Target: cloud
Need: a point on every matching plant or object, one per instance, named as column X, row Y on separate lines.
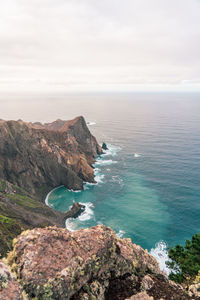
column 91, row 44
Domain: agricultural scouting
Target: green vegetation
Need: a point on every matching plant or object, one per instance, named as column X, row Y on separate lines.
column 24, row 201
column 9, row 229
column 185, row 260
column 2, row 185
column 7, row 221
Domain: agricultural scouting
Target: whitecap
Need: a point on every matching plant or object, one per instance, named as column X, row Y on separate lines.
column 74, row 191
column 70, row 225
column 160, row 253
column 118, row 179
column 91, row 123
column 102, row 162
column 98, row 176
column 112, row 150
column 137, row 155
column 120, row 234
column 88, row 213
column 48, row 195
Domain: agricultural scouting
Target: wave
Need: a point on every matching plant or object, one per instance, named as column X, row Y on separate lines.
column 103, row 162
column 120, row 234
column 74, row 191
column 160, row 253
column 73, row 224
column 112, row 150
column 118, row 179
column 137, row 155
column 70, row 225
column 98, row 175
column 91, row 123
column 88, row 213
column 47, row 196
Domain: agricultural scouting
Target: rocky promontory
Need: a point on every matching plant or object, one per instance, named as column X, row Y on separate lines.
column 35, row 158
column 40, row 157
column 90, row 264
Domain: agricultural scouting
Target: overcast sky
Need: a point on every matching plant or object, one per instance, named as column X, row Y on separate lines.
column 99, row 45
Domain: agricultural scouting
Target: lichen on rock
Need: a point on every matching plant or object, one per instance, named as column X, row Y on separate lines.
column 89, row 264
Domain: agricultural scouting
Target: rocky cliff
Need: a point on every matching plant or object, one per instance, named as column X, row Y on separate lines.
column 39, row 157
column 35, row 158
column 89, row 264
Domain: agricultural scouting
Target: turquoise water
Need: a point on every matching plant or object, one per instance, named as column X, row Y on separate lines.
column 149, row 182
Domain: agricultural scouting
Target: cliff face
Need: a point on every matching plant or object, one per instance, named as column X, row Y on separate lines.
column 35, row 158
column 88, row 264
column 39, row 157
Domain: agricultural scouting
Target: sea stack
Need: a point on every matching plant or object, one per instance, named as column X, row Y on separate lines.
column 104, row 146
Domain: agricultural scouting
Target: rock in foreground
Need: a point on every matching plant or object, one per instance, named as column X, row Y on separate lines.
column 89, row 264
column 9, row 287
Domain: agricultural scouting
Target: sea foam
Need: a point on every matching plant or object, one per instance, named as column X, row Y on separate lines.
column 102, row 162
column 91, row 123
column 120, row 233
column 74, row 224
column 160, row 253
column 112, row 150
column 48, row 195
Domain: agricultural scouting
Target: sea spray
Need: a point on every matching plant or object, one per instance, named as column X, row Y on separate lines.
column 72, row 224
column 160, row 253
column 120, row 234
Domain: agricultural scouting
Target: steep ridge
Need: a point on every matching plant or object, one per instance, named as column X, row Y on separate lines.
column 89, row 264
column 38, row 158
column 35, row 158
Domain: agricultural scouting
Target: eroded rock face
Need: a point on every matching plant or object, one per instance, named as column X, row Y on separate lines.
column 53, row 263
column 40, row 157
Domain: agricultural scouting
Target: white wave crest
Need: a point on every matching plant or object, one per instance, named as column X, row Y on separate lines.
column 47, row 196
column 160, row 253
column 118, row 179
column 137, row 155
column 88, row 213
column 112, row 150
column 98, row 176
column 91, row 123
column 120, row 233
column 102, row 162
column 72, row 223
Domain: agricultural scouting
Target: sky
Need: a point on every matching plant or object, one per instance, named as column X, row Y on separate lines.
column 99, row 45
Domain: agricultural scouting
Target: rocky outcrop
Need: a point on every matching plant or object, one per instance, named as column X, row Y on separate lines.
column 104, row 146
column 40, row 157
column 75, row 210
column 34, row 158
column 89, row 264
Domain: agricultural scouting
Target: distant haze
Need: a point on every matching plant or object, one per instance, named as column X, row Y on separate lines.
column 99, row 45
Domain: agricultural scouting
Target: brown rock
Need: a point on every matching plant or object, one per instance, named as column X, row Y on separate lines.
column 90, row 264
column 57, row 263
column 141, row 296
column 36, row 156
column 75, row 210
column 147, row 283
column 9, row 287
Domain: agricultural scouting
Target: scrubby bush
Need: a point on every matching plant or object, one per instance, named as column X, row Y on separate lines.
column 185, row 260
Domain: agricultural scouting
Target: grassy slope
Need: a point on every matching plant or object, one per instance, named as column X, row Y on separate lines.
column 18, row 212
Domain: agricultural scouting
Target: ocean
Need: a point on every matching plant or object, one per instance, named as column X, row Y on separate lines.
column 148, row 182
